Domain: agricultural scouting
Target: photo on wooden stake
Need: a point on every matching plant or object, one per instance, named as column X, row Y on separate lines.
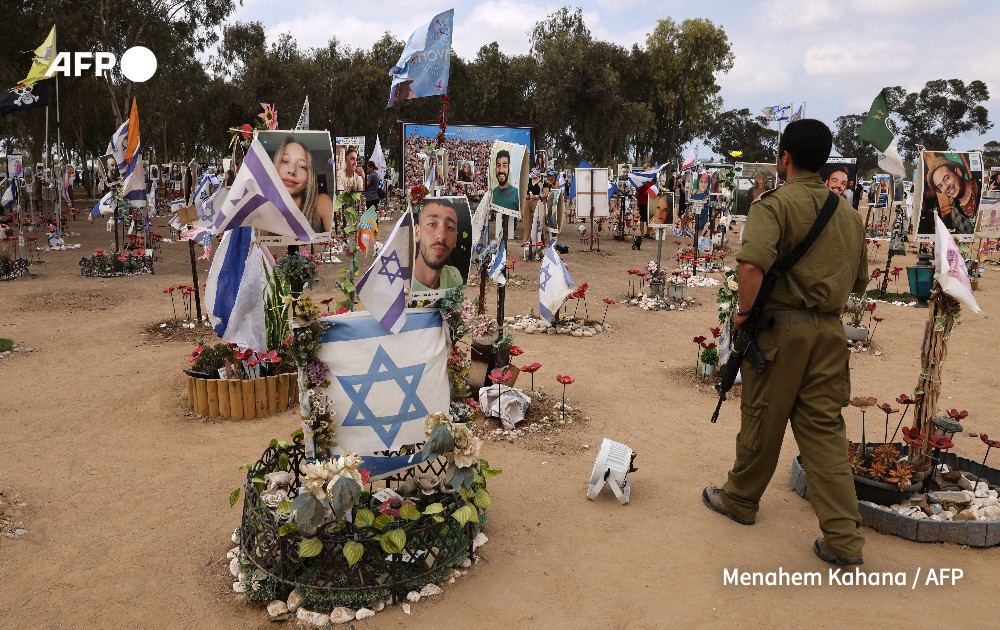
column 989, row 219
column 508, row 177
column 840, row 174
column 467, row 173
column 757, row 179
column 993, row 184
column 663, row 214
column 109, row 170
column 442, row 246
column 953, row 186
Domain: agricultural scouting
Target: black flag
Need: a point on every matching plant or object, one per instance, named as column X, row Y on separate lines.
column 19, row 98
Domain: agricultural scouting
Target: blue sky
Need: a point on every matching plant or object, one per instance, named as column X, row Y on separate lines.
column 835, row 55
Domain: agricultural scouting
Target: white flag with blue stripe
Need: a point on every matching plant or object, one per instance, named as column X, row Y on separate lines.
column 258, row 198
column 554, row 283
column 234, row 291
column 499, row 264
column 639, row 179
column 384, row 384
column 382, row 288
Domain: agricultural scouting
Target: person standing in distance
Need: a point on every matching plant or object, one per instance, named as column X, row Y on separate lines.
column 807, row 377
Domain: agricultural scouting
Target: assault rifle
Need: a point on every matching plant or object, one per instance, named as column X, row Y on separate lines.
column 745, row 344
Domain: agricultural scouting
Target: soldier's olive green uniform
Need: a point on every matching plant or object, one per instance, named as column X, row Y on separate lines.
column 807, row 379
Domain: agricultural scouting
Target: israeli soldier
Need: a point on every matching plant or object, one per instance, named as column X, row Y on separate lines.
column 807, row 377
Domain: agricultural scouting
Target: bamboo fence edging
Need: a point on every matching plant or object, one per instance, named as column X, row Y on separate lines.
column 238, row 399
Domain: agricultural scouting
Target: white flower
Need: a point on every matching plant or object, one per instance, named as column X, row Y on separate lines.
column 314, row 476
column 433, row 420
column 350, row 460
column 280, row 478
column 469, row 455
column 273, row 498
column 461, row 434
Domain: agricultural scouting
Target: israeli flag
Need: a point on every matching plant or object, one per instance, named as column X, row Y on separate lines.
column 259, row 199
column 234, row 291
column 105, row 206
column 638, row 179
column 382, row 288
column 554, row 283
column 499, row 264
column 9, row 196
column 384, row 384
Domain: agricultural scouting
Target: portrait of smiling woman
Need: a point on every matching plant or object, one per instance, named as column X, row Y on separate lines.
column 302, row 161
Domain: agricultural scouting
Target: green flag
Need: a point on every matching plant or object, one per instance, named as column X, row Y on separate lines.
column 875, row 131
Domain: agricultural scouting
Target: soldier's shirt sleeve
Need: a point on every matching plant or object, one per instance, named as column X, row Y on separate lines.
column 760, row 235
column 861, row 282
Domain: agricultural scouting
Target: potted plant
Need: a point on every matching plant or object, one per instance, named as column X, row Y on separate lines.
column 709, row 359
column 857, row 306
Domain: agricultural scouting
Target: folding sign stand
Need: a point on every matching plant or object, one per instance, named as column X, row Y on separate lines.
column 614, row 463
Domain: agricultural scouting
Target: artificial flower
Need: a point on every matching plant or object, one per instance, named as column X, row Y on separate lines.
column 269, row 116
column 434, row 420
column 940, row 442
column 531, row 368
column 913, row 436
column 986, row 440
column 863, row 401
column 197, row 353
column 565, row 380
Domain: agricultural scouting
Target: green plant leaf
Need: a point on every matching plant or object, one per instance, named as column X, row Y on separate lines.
column 434, row 508
column 347, row 286
column 440, row 441
column 382, row 520
column 394, row 541
column 234, row 497
column 353, row 551
column 309, row 511
column 437, row 518
column 310, row 547
column 283, row 461
column 287, row 528
column 284, row 507
column 465, row 514
column 482, row 499
column 409, row 511
column 363, row 517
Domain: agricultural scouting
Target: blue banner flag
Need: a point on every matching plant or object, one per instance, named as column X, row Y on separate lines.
column 422, row 69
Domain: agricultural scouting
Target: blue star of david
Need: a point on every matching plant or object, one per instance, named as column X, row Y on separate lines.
column 546, row 276
column 358, row 387
column 401, row 271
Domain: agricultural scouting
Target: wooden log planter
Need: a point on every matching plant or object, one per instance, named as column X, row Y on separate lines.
column 236, row 400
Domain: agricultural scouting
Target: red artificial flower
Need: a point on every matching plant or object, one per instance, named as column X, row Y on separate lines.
column 986, row 440
column 98, row 252
column 233, row 345
column 253, row 363
column 699, row 339
column 270, row 357
column 499, row 376
column 608, row 301
column 515, row 351
column 955, row 414
column 708, row 346
column 197, row 353
column 906, row 400
column 913, row 436
column 341, row 310
column 246, row 354
column 878, row 319
column 887, row 408
column 365, row 475
column 247, row 131
column 530, row 369
column 871, row 307
column 326, row 301
column 876, row 273
column 565, row 380
column 940, row 442
column 391, row 507
column 685, row 275
column 716, row 331
column 170, row 289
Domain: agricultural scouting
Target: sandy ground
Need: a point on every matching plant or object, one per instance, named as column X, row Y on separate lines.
column 126, row 491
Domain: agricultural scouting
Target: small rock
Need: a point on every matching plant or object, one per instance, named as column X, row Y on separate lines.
column 239, row 588
column 406, row 608
column 363, row 613
column 586, row 447
column 236, row 536
column 479, row 541
column 958, row 498
column 310, row 617
column 598, row 328
column 878, row 353
column 531, row 329
column 413, row 596
column 276, row 607
column 430, row 590
column 965, row 515
column 295, row 601
column 342, row 615
column 380, row 606
column 29, row 349
column 465, row 563
column 451, row 580
column 233, row 553
column 918, row 515
column 577, row 333
column 241, row 576
column 587, row 333
column 234, row 567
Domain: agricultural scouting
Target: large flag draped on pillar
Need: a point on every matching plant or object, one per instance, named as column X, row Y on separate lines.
column 234, row 291
column 422, row 69
column 875, row 131
column 384, row 384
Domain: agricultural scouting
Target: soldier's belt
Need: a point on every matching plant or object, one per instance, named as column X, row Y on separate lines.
column 799, row 316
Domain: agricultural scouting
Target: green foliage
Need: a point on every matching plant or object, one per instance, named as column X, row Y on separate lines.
column 486, row 471
column 937, row 114
column 309, row 514
column 6, row 345
column 345, row 495
column 393, row 541
column 234, row 497
column 465, row 514
column 275, row 309
column 409, row 512
column 710, row 356
column 288, row 528
column 482, row 499
column 213, row 358
column 353, row 552
column 439, row 442
column 363, row 517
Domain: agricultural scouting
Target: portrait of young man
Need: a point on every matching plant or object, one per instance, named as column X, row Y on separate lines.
column 951, row 188
column 442, row 242
column 505, row 194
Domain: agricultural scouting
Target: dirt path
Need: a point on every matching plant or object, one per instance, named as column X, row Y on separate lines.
column 126, row 491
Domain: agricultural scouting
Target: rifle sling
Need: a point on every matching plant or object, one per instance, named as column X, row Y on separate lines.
column 825, row 214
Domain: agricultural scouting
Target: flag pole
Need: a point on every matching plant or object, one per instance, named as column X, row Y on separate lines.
column 62, row 162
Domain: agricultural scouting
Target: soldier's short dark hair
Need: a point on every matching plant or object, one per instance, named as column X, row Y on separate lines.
column 503, row 153
column 808, row 141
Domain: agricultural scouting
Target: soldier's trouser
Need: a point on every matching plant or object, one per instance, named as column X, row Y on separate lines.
column 807, row 381
column 527, row 218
